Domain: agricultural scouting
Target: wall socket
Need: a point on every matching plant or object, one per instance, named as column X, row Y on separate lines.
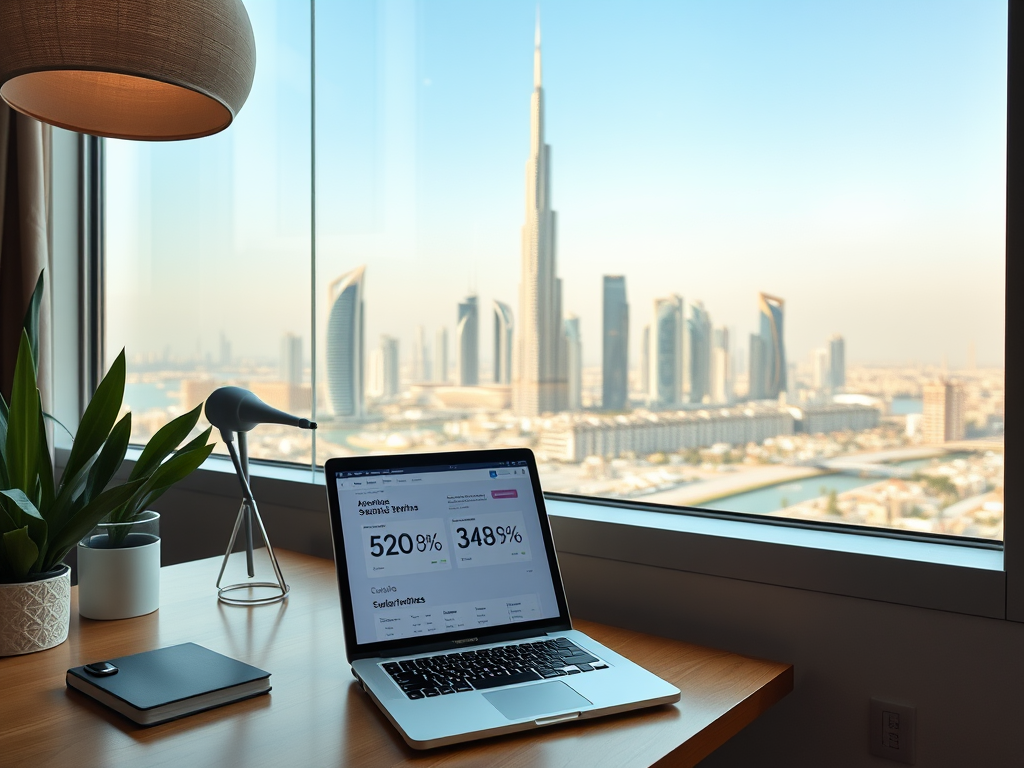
column 892, row 729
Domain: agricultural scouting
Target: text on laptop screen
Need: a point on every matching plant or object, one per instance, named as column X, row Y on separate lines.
column 434, row 550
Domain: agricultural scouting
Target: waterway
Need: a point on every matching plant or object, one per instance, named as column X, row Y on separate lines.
column 904, row 406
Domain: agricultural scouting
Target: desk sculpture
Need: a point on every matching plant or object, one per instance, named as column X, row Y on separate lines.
column 236, row 410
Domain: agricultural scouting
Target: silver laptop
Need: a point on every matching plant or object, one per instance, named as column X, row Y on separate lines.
column 454, row 612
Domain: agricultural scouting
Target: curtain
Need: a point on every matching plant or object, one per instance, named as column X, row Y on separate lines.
column 26, row 242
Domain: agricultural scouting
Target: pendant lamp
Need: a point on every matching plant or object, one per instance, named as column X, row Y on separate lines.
column 154, row 70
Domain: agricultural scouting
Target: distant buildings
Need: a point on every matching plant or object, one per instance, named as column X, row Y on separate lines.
column 821, row 370
column 837, row 361
column 539, row 385
column 345, row 344
column 768, row 368
column 615, row 345
column 390, row 381
column 697, row 360
column 943, row 417
column 420, row 356
column 441, row 355
column 574, row 363
column 668, row 340
column 290, row 360
column 645, row 360
column 503, row 328
column 721, row 375
column 467, row 342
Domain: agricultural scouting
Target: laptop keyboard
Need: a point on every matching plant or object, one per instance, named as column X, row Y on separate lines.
column 490, row 667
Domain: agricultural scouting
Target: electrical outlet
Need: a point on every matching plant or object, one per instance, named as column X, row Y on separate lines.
column 892, row 728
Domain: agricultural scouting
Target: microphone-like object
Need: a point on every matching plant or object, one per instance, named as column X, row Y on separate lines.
column 233, row 409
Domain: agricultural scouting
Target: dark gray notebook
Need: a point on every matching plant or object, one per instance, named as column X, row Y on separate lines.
column 161, row 685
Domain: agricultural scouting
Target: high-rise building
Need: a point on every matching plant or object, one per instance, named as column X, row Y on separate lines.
column 539, row 384
column 645, row 360
column 290, row 362
column 467, row 342
column 420, row 356
column 345, row 344
column 574, row 362
column 502, row 343
column 390, row 377
column 943, row 417
column 225, row 351
column 771, row 372
column 615, row 345
column 755, row 371
column 821, row 370
column 721, row 375
column 697, row 361
column 441, row 355
column 837, row 361
column 668, row 346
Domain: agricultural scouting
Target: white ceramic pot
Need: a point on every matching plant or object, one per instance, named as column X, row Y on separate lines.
column 34, row 615
column 118, row 572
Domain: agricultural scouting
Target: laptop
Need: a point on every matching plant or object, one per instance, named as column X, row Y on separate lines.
column 454, row 611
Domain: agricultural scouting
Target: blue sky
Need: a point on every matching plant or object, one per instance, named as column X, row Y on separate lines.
column 847, row 156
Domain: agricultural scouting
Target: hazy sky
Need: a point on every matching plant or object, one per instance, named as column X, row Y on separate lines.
column 846, row 156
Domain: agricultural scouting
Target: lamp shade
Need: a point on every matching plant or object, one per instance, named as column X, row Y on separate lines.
column 155, row 70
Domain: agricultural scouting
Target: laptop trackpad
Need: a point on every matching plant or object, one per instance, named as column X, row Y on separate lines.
column 534, row 700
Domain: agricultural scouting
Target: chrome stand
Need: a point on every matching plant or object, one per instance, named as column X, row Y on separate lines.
column 247, row 513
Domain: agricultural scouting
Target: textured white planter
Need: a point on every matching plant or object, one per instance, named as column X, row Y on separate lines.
column 34, row 615
column 119, row 582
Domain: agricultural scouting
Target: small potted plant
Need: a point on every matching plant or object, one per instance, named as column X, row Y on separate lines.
column 42, row 518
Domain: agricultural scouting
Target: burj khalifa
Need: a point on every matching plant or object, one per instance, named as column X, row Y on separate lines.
column 540, row 382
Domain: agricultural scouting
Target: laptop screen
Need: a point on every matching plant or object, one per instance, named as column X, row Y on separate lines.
column 443, row 548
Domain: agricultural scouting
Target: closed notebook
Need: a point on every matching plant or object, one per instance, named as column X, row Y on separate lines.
column 161, row 685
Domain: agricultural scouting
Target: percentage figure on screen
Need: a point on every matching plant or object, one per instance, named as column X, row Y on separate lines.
column 508, row 533
column 428, row 541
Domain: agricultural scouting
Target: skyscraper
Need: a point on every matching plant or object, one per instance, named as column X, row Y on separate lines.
column 502, row 343
column 821, row 370
column 668, row 343
column 837, row 361
column 441, row 355
column 345, row 345
column 697, row 376
column 467, row 342
column 290, row 362
column 615, row 345
column 645, row 360
column 390, row 384
column 539, row 384
column 721, row 375
column 943, row 417
column 420, row 356
column 772, row 369
column 755, row 371
column 574, row 362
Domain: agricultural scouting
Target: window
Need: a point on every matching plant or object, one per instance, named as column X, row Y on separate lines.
column 744, row 257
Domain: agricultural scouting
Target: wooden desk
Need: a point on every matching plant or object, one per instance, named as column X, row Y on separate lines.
column 318, row 715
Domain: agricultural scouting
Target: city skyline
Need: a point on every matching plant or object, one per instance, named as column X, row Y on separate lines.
column 918, row 256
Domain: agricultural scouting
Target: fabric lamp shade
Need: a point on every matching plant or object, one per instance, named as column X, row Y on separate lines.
column 156, row 70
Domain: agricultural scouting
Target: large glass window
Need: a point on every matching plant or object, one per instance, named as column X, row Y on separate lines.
column 739, row 256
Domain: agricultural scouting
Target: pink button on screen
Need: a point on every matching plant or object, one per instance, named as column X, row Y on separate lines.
column 508, row 494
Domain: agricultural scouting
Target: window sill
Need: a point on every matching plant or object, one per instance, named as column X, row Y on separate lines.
column 933, row 575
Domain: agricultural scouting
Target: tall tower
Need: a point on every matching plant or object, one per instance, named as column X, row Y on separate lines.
column 668, row 344
column 837, row 361
column 290, row 362
column 345, row 347
column 467, row 334
column 539, row 384
column 502, row 343
column 773, row 368
column 698, row 362
column 420, row 356
column 441, row 355
column 615, row 345
column 943, row 407
column 574, row 362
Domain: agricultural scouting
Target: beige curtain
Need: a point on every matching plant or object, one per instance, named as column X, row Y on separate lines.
column 26, row 241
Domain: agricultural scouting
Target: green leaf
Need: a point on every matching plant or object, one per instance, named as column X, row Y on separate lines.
column 21, row 552
column 177, row 468
column 31, row 322
column 19, row 508
column 164, row 441
column 4, row 416
column 23, row 504
column 198, row 442
column 110, row 458
column 99, row 416
column 46, row 490
column 70, row 487
column 23, row 423
column 85, row 519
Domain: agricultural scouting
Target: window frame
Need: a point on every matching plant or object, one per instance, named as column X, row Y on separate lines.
column 884, row 566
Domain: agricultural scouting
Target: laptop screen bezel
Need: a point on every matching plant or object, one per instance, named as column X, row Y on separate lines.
column 450, row 640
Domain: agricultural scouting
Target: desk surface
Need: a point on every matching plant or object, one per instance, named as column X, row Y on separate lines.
column 317, row 714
